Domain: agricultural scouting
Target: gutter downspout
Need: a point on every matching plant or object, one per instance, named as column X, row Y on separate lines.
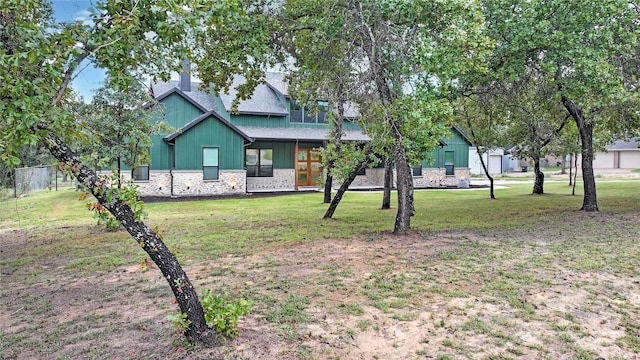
column 295, row 165
column 171, row 182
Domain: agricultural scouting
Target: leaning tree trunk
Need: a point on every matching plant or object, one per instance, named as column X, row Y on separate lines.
column 538, row 184
column 585, row 128
column 344, row 186
column 182, row 288
column 388, row 184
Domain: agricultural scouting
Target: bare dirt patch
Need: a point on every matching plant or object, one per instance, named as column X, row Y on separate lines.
column 567, row 292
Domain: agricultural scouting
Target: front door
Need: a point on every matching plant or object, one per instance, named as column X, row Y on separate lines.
column 309, row 167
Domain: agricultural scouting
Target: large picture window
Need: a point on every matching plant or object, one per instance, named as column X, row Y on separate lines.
column 259, row 162
column 210, row 167
column 311, row 113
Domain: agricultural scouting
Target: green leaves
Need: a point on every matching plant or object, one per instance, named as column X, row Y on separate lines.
column 38, row 57
column 222, row 313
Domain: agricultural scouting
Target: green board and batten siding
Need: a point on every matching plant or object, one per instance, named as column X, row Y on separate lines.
column 178, row 112
column 455, row 143
column 188, row 146
column 211, row 132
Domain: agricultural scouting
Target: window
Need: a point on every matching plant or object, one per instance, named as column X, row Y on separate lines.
column 448, row 163
column 210, row 166
column 141, row 173
column 311, row 113
column 296, row 112
column 417, row 170
column 258, row 162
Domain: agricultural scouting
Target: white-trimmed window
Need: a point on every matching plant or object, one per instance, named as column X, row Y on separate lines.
column 210, row 161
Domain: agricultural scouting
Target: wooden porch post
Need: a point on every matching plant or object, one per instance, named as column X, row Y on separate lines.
column 295, row 165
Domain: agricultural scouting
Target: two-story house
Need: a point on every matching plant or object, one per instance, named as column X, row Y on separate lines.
column 270, row 144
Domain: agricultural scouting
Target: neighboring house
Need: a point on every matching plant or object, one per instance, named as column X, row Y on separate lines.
column 495, row 161
column 270, row 144
column 619, row 155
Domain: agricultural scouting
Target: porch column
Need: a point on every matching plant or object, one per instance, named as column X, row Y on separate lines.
column 295, row 166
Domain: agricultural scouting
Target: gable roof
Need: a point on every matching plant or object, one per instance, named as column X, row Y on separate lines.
column 263, row 101
column 464, row 136
column 277, row 82
column 200, row 99
column 200, row 119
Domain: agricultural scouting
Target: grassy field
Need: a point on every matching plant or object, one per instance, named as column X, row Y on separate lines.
column 518, row 277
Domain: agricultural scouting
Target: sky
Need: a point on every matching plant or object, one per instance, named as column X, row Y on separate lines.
column 88, row 79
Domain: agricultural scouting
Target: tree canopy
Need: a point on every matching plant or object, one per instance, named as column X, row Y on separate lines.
column 39, row 56
column 401, row 59
column 579, row 48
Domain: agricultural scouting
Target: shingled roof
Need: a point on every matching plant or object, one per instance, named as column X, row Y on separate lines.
column 624, row 145
column 201, row 99
column 297, row 134
column 263, row 101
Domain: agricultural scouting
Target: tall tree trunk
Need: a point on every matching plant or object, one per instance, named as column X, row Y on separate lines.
column 344, row 186
column 404, row 185
column 575, row 174
column 146, row 238
column 328, row 182
column 538, row 184
column 388, row 184
column 585, row 128
column 387, row 99
column 335, row 138
column 492, row 194
column 571, row 169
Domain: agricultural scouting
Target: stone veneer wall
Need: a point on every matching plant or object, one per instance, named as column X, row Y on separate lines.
column 190, row 183
column 436, row 177
column 282, row 179
column 372, row 178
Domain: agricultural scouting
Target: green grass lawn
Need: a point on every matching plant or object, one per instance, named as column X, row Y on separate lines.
column 212, row 228
column 522, row 276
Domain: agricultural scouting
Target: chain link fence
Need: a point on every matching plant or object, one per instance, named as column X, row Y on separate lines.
column 35, row 178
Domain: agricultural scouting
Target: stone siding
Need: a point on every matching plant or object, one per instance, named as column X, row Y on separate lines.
column 372, row 178
column 282, row 179
column 436, row 177
column 190, row 183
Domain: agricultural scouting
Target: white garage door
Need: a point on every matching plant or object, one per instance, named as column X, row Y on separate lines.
column 603, row 160
column 630, row 159
column 495, row 164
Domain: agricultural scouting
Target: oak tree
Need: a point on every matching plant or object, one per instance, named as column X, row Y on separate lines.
column 39, row 57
